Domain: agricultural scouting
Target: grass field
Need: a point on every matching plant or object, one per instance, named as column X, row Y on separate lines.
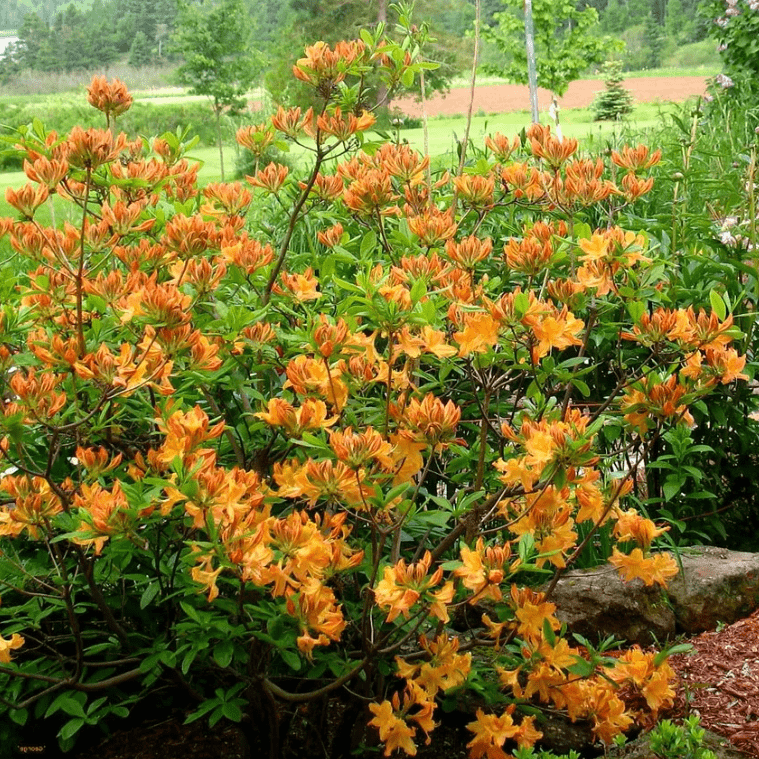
column 443, row 134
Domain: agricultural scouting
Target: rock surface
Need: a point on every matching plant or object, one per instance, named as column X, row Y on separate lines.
column 715, row 586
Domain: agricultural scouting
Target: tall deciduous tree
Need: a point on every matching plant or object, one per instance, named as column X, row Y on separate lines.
column 566, row 42
column 219, row 62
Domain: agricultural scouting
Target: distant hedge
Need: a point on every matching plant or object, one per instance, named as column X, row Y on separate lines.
column 141, row 119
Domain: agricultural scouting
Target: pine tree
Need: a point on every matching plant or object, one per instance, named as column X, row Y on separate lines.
column 140, row 53
column 615, row 101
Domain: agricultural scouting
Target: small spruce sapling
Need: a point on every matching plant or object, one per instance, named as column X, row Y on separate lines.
column 615, row 101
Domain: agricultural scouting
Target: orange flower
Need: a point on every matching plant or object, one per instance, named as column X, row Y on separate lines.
column 332, row 236
column 475, row 191
column 329, row 338
column 361, row 449
column 432, row 421
column 371, row 193
column 207, row 577
column 491, row 732
column 255, row 138
column 34, row 505
column 635, row 159
column 557, row 330
column 631, row 525
column 105, row 514
column 524, row 181
column 501, row 146
column 635, row 187
column 9, row 644
column 469, row 251
column 303, row 286
column 190, row 236
column 334, row 483
column 658, row 568
column 390, row 718
column 323, row 67
column 650, row 400
column 343, row 128
column 402, row 586
column 112, row 98
column 312, row 415
column 27, row 199
column 531, row 612
column 231, row 199
column 326, row 187
column 249, row 255
column 46, row 171
column 551, row 149
column 97, row 461
column 480, row 333
column 484, row 570
column 404, row 163
column 94, row 147
column 445, row 669
column 271, row 178
column 433, row 227
column 316, row 609
column 290, row 123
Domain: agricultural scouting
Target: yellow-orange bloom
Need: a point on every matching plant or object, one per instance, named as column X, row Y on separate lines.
column 112, row 98
column 635, row 159
column 658, row 568
column 432, row 421
column 312, row 415
column 402, row 586
column 27, row 199
column 9, row 644
column 271, row 178
column 484, row 569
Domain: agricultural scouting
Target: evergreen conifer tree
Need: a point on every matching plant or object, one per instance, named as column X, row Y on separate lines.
column 615, row 101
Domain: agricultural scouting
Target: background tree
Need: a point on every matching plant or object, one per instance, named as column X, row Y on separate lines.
column 567, row 42
column 219, row 61
column 140, row 53
column 614, row 101
column 654, row 35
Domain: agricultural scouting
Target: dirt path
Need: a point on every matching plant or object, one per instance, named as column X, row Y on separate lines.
column 503, row 98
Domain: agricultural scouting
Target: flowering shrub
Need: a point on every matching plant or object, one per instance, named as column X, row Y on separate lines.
column 266, row 442
column 735, row 23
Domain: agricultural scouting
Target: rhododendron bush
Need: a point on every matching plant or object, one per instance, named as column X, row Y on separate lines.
column 308, row 444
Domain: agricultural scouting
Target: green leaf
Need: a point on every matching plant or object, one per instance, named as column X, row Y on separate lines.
column 548, row 633
column 150, row 592
column 672, row 487
column 679, row 648
column 291, row 659
column 71, row 728
column 368, row 244
column 636, row 309
column 581, row 667
column 224, row 652
column 718, row 305
column 232, row 712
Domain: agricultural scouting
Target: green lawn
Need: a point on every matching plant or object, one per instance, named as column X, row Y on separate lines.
column 443, row 133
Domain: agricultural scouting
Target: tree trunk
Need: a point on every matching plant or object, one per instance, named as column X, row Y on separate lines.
column 379, row 101
column 532, row 76
column 217, row 111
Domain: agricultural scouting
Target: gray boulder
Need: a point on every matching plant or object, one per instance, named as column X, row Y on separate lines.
column 715, row 586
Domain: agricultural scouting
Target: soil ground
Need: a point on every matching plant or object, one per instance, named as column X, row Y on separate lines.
column 504, row 98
